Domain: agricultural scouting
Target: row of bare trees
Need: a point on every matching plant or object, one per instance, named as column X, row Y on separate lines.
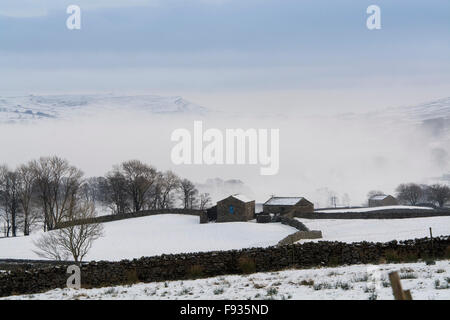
column 50, row 190
column 134, row 186
column 413, row 194
column 43, row 190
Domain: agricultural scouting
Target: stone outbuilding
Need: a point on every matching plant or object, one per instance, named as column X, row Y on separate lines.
column 285, row 205
column 235, row 208
column 382, row 200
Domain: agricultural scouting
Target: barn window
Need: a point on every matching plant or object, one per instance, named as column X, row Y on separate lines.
column 231, row 209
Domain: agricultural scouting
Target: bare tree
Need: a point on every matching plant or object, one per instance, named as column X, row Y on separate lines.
column 9, row 197
column 74, row 241
column 58, row 183
column 114, row 192
column 49, row 247
column 439, row 193
column 188, row 193
column 90, row 189
column 205, row 201
column 410, row 193
column 139, row 178
column 333, row 200
column 169, row 183
column 26, row 188
column 346, row 200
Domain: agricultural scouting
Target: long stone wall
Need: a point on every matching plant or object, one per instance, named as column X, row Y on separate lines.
column 116, row 217
column 378, row 214
column 207, row 264
column 300, row 235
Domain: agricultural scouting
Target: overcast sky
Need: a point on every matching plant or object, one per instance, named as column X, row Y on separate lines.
column 209, row 50
column 267, row 56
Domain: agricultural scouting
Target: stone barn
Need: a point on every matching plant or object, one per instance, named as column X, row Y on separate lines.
column 284, row 205
column 382, row 200
column 235, row 208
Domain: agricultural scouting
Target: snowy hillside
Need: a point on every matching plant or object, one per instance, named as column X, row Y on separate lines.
column 357, row 282
column 375, row 209
column 35, row 107
column 425, row 111
column 162, row 234
column 378, row 230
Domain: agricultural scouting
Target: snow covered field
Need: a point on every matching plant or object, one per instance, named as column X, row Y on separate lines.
column 357, row 282
column 378, row 230
column 373, row 209
column 161, row 234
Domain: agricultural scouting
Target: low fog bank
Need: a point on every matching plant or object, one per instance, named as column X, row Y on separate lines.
column 319, row 156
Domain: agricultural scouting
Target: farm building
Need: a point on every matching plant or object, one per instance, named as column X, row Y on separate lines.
column 235, row 208
column 284, row 205
column 382, row 200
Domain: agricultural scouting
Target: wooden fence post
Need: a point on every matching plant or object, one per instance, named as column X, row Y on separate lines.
column 432, row 246
column 397, row 289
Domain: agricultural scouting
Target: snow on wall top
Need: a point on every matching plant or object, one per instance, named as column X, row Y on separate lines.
column 283, row 201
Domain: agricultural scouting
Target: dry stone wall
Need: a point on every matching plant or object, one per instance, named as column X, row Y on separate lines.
column 116, row 217
column 207, row 264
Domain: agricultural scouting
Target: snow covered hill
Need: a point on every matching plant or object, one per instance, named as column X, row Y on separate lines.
column 375, row 209
column 161, row 234
column 378, row 230
column 35, row 107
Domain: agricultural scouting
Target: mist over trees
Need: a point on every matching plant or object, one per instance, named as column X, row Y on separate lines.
column 47, row 191
column 413, row 194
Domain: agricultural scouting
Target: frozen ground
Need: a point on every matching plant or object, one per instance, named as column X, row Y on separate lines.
column 378, row 230
column 357, row 282
column 162, row 234
column 373, row 209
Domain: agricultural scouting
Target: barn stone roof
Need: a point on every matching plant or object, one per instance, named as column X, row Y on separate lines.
column 379, row 197
column 242, row 198
column 283, row 201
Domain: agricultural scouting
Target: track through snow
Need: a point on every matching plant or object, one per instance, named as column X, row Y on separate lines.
column 162, row 234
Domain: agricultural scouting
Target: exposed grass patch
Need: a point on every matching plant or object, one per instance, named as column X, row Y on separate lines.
column 393, row 256
column 438, row 285
column 219, row 291
column 408, row 275
column 447, row 253
column 333, row 261
column 131, row 276
column 246, row 265
column 259, row 286
column 363, row 278
column 307, row 282
column 343, row 285
column 195, row 272
column 322, row 286
column 272, row 291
